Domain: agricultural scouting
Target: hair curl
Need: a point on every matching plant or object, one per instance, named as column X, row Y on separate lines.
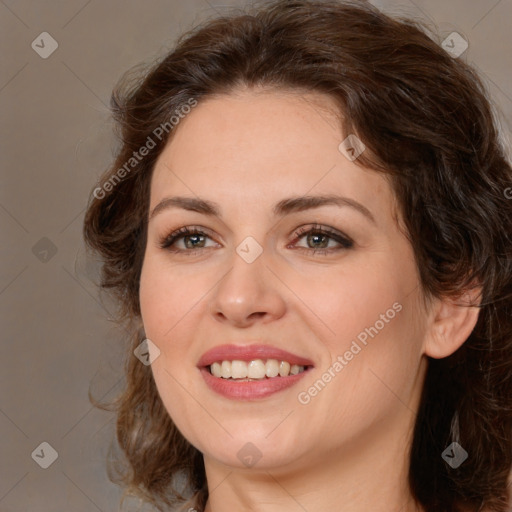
column 427, row 123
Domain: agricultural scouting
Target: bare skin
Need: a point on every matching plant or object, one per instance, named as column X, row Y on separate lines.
column 345, row 446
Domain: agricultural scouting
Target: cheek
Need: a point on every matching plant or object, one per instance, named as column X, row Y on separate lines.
column 167, row 307
column 154, row 304
column 369, row 314
column 357, row 297
column 166, row 297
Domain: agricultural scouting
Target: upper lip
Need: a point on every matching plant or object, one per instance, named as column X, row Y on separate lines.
column 249, row 353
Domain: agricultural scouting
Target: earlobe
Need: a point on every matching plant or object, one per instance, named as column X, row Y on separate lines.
column 451, row 322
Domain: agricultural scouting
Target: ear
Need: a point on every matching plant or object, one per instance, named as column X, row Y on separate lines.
column 451, row 322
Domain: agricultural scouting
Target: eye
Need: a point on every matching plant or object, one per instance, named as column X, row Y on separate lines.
column 191, row 238
column 319, row 239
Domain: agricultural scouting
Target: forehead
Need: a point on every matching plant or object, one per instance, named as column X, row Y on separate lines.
column 262, row 144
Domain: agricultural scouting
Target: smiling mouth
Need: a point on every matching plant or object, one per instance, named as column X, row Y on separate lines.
column 254, row 370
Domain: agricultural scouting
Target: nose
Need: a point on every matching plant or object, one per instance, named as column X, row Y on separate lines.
column 248, row 293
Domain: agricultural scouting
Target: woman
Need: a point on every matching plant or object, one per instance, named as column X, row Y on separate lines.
column 308, row 231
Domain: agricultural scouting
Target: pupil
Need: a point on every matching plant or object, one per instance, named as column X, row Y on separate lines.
column 193, row 237
column 316, row 237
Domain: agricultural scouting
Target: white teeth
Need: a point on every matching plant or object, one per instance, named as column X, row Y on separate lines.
column 238, row 369
column 272, row 368
column 225, row 369
column 284, row 369
column 256, row 369
column 216, row 370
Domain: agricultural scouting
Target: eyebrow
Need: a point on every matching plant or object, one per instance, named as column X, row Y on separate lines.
column 282, row 208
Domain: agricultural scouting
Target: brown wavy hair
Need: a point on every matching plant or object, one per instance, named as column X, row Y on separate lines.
column 427, row 122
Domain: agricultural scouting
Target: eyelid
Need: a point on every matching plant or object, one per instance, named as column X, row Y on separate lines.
column 345, row 241
column 301, row 232
column 178, row 234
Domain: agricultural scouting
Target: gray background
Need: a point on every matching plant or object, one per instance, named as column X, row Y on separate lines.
column 57, row 339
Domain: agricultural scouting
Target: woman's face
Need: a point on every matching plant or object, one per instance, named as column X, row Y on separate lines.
column 298, row 264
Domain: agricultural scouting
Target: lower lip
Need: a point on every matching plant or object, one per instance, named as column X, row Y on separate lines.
column 249, row 390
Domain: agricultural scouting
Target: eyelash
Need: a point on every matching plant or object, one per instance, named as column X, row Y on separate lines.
column 345, row 243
